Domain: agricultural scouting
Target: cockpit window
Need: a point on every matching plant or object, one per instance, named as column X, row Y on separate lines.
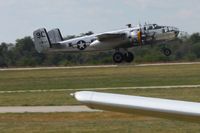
column 157, row 26
column 150, row 27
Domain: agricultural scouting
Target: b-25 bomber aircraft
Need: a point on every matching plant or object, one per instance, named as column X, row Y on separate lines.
column 119, row 40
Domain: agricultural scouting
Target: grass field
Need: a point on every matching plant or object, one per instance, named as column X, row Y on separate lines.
column 99, row 77
column 64, row 98
column 106, row 122
column 123, row 76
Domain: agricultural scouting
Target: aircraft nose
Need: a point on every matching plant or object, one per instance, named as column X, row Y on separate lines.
column 177, row 33
column 176, row 30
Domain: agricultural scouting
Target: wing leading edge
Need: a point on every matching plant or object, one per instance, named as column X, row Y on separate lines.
column 111, row 36
column 155, row 107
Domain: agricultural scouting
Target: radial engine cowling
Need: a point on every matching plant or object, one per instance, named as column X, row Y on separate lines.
column 137, row 37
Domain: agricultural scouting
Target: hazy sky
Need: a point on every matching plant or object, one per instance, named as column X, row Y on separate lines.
column 20, row 17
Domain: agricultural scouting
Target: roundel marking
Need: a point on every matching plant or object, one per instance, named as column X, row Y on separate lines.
column 81, row 45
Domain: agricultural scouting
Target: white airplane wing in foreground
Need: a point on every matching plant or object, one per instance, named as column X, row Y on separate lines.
column 155, row 107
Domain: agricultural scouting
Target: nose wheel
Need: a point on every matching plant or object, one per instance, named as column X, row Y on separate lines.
column 119, row 57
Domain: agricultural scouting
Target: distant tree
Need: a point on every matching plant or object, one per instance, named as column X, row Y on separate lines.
column 195, row 38
column 23, row 53
column 3, row 48
column 87, row 33
column 3, row 53
column 69, row 37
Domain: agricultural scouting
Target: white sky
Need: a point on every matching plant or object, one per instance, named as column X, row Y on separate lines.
column 20, row 17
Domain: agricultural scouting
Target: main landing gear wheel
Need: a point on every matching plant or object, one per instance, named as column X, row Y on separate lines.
column 129, row 57
column 118, row 57
column 167, row 52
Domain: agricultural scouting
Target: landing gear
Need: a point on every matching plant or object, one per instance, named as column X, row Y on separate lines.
column 166, row 51
column 119, row 57
column 129, row 57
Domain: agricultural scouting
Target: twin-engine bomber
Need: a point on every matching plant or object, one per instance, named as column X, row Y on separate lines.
column 119, row 40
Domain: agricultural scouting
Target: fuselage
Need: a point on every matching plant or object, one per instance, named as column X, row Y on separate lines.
column 149, row 35
column 93, row 44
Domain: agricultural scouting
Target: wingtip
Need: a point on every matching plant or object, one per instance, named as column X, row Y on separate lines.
column 72, row 94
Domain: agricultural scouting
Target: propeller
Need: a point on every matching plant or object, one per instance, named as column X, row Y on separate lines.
column 140, row 34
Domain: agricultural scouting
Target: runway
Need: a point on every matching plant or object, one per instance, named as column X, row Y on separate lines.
column 55, row 68
column 46, row 109
column 102, row 89
column 167, row 64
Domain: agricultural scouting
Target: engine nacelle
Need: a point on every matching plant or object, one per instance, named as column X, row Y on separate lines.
column 136, row 36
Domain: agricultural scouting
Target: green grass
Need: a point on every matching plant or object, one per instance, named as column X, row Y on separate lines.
column 90, row 123
column 89, row 78
column 37, row 99
column 64, row 98
column 97, row 77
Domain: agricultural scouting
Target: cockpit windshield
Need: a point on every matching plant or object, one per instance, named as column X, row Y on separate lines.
column 157, row 26
column 152, row 27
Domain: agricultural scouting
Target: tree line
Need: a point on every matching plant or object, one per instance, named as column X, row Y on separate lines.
column 23, row 54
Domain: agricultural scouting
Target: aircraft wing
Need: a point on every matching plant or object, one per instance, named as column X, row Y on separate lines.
column 111, row 36
column 154, row 107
